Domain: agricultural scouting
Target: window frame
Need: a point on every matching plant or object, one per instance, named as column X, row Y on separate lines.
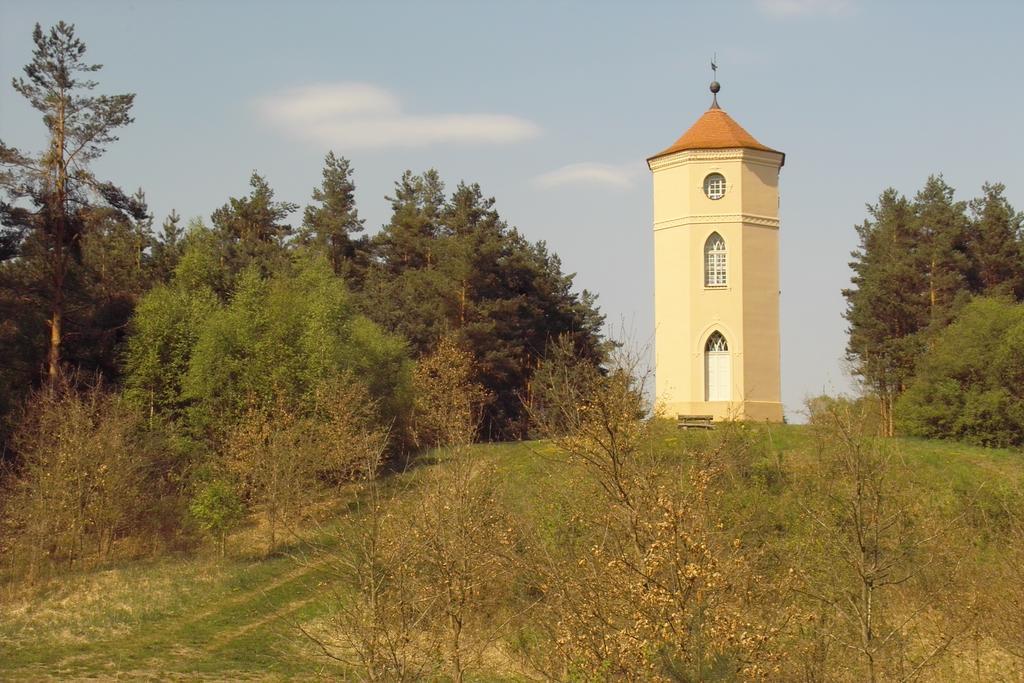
column 714, row 180
column 716, row 262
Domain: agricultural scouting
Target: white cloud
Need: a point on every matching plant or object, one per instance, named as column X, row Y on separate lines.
column 353, row 115
column 588, row 174
column 791, row 8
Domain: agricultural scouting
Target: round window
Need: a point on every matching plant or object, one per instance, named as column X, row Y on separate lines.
column 714, row 186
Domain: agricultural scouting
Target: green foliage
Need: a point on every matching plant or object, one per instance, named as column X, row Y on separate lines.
column 165, row 329
column 969, row 383
column 917, row 264
column 195, row 357
column 330, row 226
column 217, row 509
column 281, row 337
column 455, row 268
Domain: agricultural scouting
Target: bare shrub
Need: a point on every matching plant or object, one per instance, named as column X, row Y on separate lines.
column 653, row 589
column 447, row 404
column 377, row 625
column 1002, row 582
column 285, row 455
column 77, row 485
column 874, row 562
column 464, row 560
column 420, row 574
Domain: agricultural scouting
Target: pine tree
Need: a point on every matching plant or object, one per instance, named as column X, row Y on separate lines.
column 888, row 305
column 941, row 248
column 996, row 244
column 57, row 184
column 254, row 228
column 330, row 225
column 453, row 268
column 407, row 241
column 167, row 249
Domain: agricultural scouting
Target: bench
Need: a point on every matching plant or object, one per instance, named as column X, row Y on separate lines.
column 695, row 421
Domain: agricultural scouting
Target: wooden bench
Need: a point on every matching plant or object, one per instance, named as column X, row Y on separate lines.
column 695, row 421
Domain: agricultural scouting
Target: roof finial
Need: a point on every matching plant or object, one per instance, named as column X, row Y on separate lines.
column 715, row 86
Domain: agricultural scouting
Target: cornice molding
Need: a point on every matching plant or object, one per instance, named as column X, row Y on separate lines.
column 745, row 218
column 750, row 156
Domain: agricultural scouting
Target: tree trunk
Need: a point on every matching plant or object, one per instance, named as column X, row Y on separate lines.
column 56, row 326
column 59, row 256
column 273, row 528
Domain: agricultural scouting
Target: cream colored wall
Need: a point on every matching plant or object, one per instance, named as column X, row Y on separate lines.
column 746, row 310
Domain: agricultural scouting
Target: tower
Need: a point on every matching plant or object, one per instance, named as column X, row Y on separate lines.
column 716, row 272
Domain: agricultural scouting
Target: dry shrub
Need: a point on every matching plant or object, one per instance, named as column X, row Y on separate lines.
column 447, row 403
column 78, row 483
column 878, row 565
column 654, row 589
column 285, row 455
column 464, row 558
column 377, row 622
column 421, row 574
column 1001, row 584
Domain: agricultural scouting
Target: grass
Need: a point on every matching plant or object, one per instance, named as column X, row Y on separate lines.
column 200, row 617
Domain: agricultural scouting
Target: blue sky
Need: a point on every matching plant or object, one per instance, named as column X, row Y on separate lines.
column 552, row 107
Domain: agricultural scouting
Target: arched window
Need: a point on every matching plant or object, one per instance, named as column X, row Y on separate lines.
column 714, row 261
column 717, row 369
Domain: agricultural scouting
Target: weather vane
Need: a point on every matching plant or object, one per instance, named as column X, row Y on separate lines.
column 715, row 86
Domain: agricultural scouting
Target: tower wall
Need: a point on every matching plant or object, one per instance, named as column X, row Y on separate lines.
column 746, row 310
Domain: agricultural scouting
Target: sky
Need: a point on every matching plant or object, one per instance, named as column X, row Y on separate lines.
column 553, row 107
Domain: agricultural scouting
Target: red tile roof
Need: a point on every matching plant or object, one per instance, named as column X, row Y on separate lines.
column 714, row 130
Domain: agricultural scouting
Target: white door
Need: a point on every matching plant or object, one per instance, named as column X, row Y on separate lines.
column 717, row 373
column 717, row 369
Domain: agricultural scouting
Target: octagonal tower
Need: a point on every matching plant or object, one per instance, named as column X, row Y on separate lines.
column 716, row 272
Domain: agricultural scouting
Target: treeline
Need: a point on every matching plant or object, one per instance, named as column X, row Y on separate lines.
column 934, row 313
column 215, row 353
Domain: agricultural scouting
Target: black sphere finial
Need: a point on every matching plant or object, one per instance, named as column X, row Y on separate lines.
column 715, row 87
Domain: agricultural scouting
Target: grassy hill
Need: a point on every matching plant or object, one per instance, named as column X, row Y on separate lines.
column 192, row 616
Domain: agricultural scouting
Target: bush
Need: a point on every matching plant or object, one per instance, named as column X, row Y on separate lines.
column 217, row 509
column 197, row 359
column 79, row 482
column 970, row 384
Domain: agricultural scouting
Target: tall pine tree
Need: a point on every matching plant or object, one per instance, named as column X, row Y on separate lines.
column 996, row 244
column 453, row 268
column 330, row 224
column 940, row 249
column 887, row 307
column 253, row 228
column 51, row 197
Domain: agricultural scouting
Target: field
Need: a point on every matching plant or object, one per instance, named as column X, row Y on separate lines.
column 199, row 616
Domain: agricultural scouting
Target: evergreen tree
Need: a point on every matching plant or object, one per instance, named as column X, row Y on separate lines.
column 51, row 196
column 918, row 264
column 455, row 269
column 996, row 244
column 253, row 228
column 330, row 225
column 116, row 270
column 888, row 305
column 167, row 249
column 408, row 240
column 940, row 248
